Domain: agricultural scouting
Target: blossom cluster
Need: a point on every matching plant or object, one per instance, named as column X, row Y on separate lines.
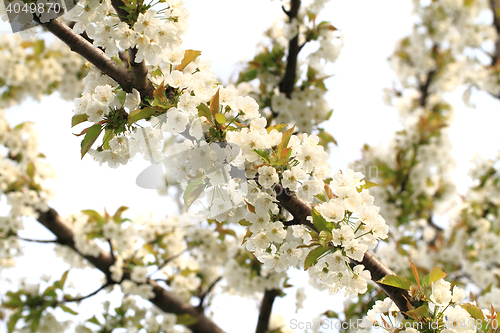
column 31, row 69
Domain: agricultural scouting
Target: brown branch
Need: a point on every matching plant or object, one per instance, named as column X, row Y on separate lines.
column 138, row 71
column 81, row 46
column 301, row 210
column 424, row 88
column 139, row 74
column 204, row 295
column 288, row 81
column 37, row 240
column 265, row 310
column 496, row 23
column 163, row 299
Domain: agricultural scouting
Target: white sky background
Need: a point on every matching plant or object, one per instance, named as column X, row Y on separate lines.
column 227, row 31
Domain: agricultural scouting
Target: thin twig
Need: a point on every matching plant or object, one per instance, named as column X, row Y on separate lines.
column 37, row 240
column 204, row 295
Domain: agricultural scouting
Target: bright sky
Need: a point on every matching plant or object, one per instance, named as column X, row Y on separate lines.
column 226, row 32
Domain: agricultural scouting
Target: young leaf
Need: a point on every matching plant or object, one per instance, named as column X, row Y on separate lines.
column 221, row 119
column 320, row 223
column 118, row 214
column 189, row 56
column 278, row 127
column 204, row 111
column 396, row 281
column 78, row 118
column 108, row 136
column 160, row 92
column 262, row 153
column 122, row 96
column 436, row 274
column 313, row 256
column 285, row 138
column 193, row 191
column 139, row 114
column 214, row 104
column 90, row 137
column 415, row 273
column 418, row 312
column 329, row 192
column 68, row 310
column 473, row 310
column 367, row 185
column 251, row 208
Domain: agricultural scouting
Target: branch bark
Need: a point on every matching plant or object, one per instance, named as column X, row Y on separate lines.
column 288, row 81
column 265, row 310
column 81, row 46
column 165, row 300
column 301, row 210
column 496, row 23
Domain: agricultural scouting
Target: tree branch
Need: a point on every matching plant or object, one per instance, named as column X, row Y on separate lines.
column 81, row 46
column 496, row 23
column 288, row 81
column 265, row 310
column 138, row 71
column 301, row 210
column 165, row 300
column 37, row 240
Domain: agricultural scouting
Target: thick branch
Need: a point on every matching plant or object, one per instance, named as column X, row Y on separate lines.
column 165, row 300
column 81, row 46
column 265, row 310
column 301, row 210
column 288, row 81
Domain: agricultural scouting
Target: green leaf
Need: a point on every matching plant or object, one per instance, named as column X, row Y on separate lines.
column 193, row 191
column 94, row 320
column 78, row 119
column 35, row 320
column 436, row 274
column 159, row 92
column 313, row 256
column 278, row 127
column 30, row 170
column 418, row 312
column 367, row 185
column 396, row 281
column 68, row 310
column 90, row 137
column 249, row 75
column 139, row 114
column 118, row 213
column 39, row 47
column 325, row 138
column 473, row 310
column 13, row 320
column 204, row 111
column 189, row 56
column 320, row 223
column 186, row 320
column 122, row 96
column 221, row 119
column 157, row 72
column 244, row 223
column 108, row 136
column 262, row 153
column 93, row 216
column 63, row 278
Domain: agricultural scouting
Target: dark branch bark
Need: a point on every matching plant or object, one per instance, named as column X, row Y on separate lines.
column 138, row 71
column 301, row 210
column 496, row 24
column 424, row 88
column 288, row 81
column 139, row 74
column 265, row 310
column 81, row 46
column 165, row 300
